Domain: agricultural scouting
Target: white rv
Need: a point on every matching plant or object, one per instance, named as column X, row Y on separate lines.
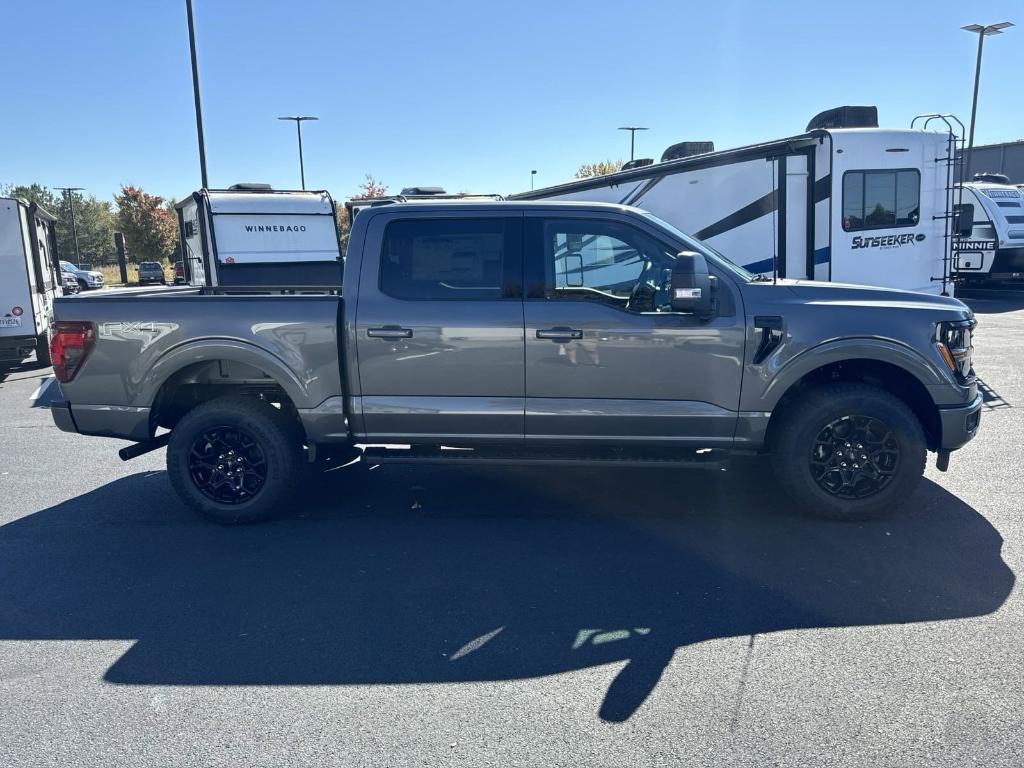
column 994, row 250
column 845, row 201
column 250, row 235
column 28, row 280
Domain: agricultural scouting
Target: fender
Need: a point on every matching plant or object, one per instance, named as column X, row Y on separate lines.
column 764, row 385
column 235, row 350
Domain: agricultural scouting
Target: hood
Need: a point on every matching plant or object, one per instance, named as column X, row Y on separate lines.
column 815, row 292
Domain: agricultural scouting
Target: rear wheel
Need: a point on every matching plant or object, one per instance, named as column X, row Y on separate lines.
column 43, row 359
column 848, row 451
column 235, row 459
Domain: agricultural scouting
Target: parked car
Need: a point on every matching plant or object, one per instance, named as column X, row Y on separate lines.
column 69, row 283
column 87, row 278
column 179, row 273
column 151, row 272
column 523, row 332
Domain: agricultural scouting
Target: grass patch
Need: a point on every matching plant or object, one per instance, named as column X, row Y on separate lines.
column 112, row 273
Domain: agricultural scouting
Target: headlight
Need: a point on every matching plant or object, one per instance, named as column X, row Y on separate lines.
column 953, row 341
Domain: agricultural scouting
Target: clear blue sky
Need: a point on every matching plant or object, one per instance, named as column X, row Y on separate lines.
column 468, row 95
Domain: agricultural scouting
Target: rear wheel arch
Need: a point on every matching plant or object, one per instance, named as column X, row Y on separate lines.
column 200, row 381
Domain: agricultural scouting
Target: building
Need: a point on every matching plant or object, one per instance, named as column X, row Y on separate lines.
column 1006, row 158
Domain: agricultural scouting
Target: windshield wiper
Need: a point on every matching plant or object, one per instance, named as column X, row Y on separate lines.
column 761, row 279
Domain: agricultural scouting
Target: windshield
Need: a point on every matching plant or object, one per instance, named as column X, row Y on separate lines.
column 68, row 266
column 699, row 245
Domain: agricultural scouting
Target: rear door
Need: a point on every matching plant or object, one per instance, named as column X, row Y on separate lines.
column 439, row 328
column 607, row 360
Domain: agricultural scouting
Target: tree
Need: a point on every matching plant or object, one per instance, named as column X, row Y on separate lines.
column 94, row 220
column 150, row 229
column 368, row 190
column 598, row 169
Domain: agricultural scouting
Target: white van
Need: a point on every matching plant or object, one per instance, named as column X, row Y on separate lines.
column 28, row 280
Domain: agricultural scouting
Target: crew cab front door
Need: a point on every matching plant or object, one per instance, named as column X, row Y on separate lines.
column 607, row 360
column 439, row 329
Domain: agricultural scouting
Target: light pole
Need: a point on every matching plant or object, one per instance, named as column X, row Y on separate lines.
column 533, row 174
column 298, row 129
column 982, row 32
column 69, row 193
column 632, row 137
column 195, row 93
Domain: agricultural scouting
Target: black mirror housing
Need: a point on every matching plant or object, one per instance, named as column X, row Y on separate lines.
column 691, row 285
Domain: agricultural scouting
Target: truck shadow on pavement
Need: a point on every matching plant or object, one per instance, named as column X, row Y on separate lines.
column 434, row 575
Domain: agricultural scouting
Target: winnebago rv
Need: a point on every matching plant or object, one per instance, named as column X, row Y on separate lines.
column 250, row 235
column 994, row 250
column 28, row 280
column 845, row 201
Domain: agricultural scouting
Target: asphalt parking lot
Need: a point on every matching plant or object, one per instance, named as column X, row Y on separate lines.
column 549, row 617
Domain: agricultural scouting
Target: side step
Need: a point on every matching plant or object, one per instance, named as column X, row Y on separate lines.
column 707, row 459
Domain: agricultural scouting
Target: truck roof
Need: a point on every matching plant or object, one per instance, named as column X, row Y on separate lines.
column 459, row 205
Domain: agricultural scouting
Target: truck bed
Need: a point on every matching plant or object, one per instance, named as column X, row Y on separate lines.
column 146, row 336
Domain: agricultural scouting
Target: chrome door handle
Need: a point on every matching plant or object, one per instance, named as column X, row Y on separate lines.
column 389, row 332
column 560, row 334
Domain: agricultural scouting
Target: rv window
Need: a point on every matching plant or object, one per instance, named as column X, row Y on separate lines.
column 881, row 199
column 444, row 259
column 606, row 261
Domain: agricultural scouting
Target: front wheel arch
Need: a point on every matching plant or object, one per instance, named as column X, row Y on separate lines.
column 889, row 377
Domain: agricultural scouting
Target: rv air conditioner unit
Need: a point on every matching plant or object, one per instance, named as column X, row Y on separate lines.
column 422, row 191
column 250, row 186
column 845, row 117
column 687, row 149
column 640, row 162
column 992, row 178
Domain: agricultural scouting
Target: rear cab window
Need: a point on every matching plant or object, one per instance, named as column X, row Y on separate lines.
column 451, row 259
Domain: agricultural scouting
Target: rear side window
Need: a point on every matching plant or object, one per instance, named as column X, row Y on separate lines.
column 881, row 199
column 446, row 259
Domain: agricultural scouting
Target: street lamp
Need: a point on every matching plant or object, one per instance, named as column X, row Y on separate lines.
column 298, row 129
column 69, row 193
column 195, row 93
column 632, row 137
column 533, row 174
column 982, row 33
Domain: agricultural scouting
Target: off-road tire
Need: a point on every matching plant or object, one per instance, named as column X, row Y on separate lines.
column 279, row 439
column 793, row 438
column 43, row 359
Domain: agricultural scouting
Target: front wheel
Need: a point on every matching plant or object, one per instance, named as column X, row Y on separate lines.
column 235, row 459
column 848, row 451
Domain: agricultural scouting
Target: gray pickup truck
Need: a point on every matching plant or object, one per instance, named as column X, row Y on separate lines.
column 539, row 333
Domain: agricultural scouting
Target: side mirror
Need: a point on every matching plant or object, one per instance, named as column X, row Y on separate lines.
column 691, row 285
column 963, row 219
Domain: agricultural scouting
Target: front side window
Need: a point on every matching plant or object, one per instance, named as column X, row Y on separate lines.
column 444, row 259
column 881, row 199
column 608, row 262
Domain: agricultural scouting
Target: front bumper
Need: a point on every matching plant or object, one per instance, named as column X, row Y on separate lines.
column 960, row 423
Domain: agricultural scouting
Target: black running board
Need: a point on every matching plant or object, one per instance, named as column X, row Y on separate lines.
column 616, row 458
